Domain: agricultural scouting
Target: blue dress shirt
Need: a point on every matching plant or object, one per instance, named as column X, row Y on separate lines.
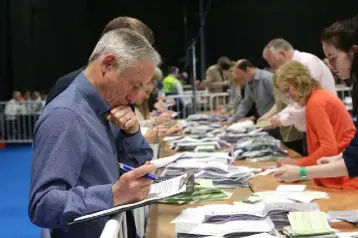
column 74, row 161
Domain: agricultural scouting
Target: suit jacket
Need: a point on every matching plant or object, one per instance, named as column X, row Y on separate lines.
column 214, row 79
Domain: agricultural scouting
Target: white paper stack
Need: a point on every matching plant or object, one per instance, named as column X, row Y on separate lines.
column 219, row 170
column 190, row 223
column 277, row 212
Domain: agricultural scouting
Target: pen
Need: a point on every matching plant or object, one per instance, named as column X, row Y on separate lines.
column 129, row 168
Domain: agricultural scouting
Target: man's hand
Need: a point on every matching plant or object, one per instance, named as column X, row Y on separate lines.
column 326, row 160
column 125, row 119
column 131, row 186
column 287, row 173
column 287, row 160
column 274, row 123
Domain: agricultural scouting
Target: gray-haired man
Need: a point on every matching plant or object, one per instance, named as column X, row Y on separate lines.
column 75, row 147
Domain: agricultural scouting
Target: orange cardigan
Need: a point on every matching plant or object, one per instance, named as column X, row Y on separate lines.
column 329, row 129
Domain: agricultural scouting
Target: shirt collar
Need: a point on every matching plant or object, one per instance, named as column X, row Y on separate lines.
column 295, row 55
column 97, row 103
column 257, row 75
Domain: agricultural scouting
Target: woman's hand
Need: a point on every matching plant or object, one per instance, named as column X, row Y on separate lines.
column 287, row 173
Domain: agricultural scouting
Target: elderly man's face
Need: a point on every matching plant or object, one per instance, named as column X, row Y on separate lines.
column 123, row 88
column 275, row 59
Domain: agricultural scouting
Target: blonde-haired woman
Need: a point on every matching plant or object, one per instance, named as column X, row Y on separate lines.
column 329, row 127
column 152, row 127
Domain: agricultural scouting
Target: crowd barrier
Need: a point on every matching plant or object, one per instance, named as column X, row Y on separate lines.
column 17, row 120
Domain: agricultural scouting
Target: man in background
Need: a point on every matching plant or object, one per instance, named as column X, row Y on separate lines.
column 258, row 91
column 217, row 76
column 287, row 114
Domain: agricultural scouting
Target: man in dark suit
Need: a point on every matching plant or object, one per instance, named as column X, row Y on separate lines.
column 117, row 23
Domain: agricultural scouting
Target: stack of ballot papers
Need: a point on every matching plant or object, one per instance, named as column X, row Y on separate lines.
column 312, row 224
column 204, row 191
column 241, row 127
column 190, row 223
column 350, row 216
column 277, row 212
column 258, row 148
column 232, row 138
column 222, row 174
column 291, row 196
column 206, row 118
column 188, row 143
column 185, row 157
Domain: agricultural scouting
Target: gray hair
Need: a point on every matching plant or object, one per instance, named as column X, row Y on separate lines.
column 128, row 47
column 277, row 45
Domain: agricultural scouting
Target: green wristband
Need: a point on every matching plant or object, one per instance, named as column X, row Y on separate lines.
column 303, row 173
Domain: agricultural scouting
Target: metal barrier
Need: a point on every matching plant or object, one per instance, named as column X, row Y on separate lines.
column 113, row 226
column 205, row 102
column 17, row 120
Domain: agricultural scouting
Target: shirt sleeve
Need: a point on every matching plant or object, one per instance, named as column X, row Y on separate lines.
column 318, row 119
column 244, row 106
column 235, row 96
column 318, row 73
column 350, row 156
column 59, row 151
column 293, row 114
column 180, row 91
column 134, row 150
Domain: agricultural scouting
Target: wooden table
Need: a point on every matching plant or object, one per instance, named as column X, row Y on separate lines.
column 161, row 215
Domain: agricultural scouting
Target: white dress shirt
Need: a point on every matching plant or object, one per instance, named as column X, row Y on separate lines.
column 294, row 114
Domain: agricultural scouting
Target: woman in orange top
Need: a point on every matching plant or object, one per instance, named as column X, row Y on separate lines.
column 329, row 127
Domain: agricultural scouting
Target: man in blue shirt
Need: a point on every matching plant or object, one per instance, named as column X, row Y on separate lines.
column 75, row 147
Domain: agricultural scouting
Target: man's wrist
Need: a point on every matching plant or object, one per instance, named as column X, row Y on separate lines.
column 129, row 134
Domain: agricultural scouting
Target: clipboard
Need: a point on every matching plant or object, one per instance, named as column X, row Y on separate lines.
column 185, row 185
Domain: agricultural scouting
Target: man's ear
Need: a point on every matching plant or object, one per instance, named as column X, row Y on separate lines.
column 108, row 62
column 355, row 48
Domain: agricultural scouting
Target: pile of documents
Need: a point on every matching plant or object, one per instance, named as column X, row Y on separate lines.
column 277, row 212
column 258, row 148
column 221, row 157
column 190, row 223
column 350, row 216
column 291, row 196
column 216, row 167
column 232, row 137
column 241, row 127
column 310, row 224
column 189, row 143
column 203, row 191
column 206, row 118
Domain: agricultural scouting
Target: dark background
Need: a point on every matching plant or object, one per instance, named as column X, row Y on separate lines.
column 44, row 39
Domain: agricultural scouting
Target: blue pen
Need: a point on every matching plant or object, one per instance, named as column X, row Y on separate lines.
column 129, row 168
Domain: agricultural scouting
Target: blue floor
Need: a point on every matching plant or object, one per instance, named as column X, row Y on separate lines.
column 15, row 164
